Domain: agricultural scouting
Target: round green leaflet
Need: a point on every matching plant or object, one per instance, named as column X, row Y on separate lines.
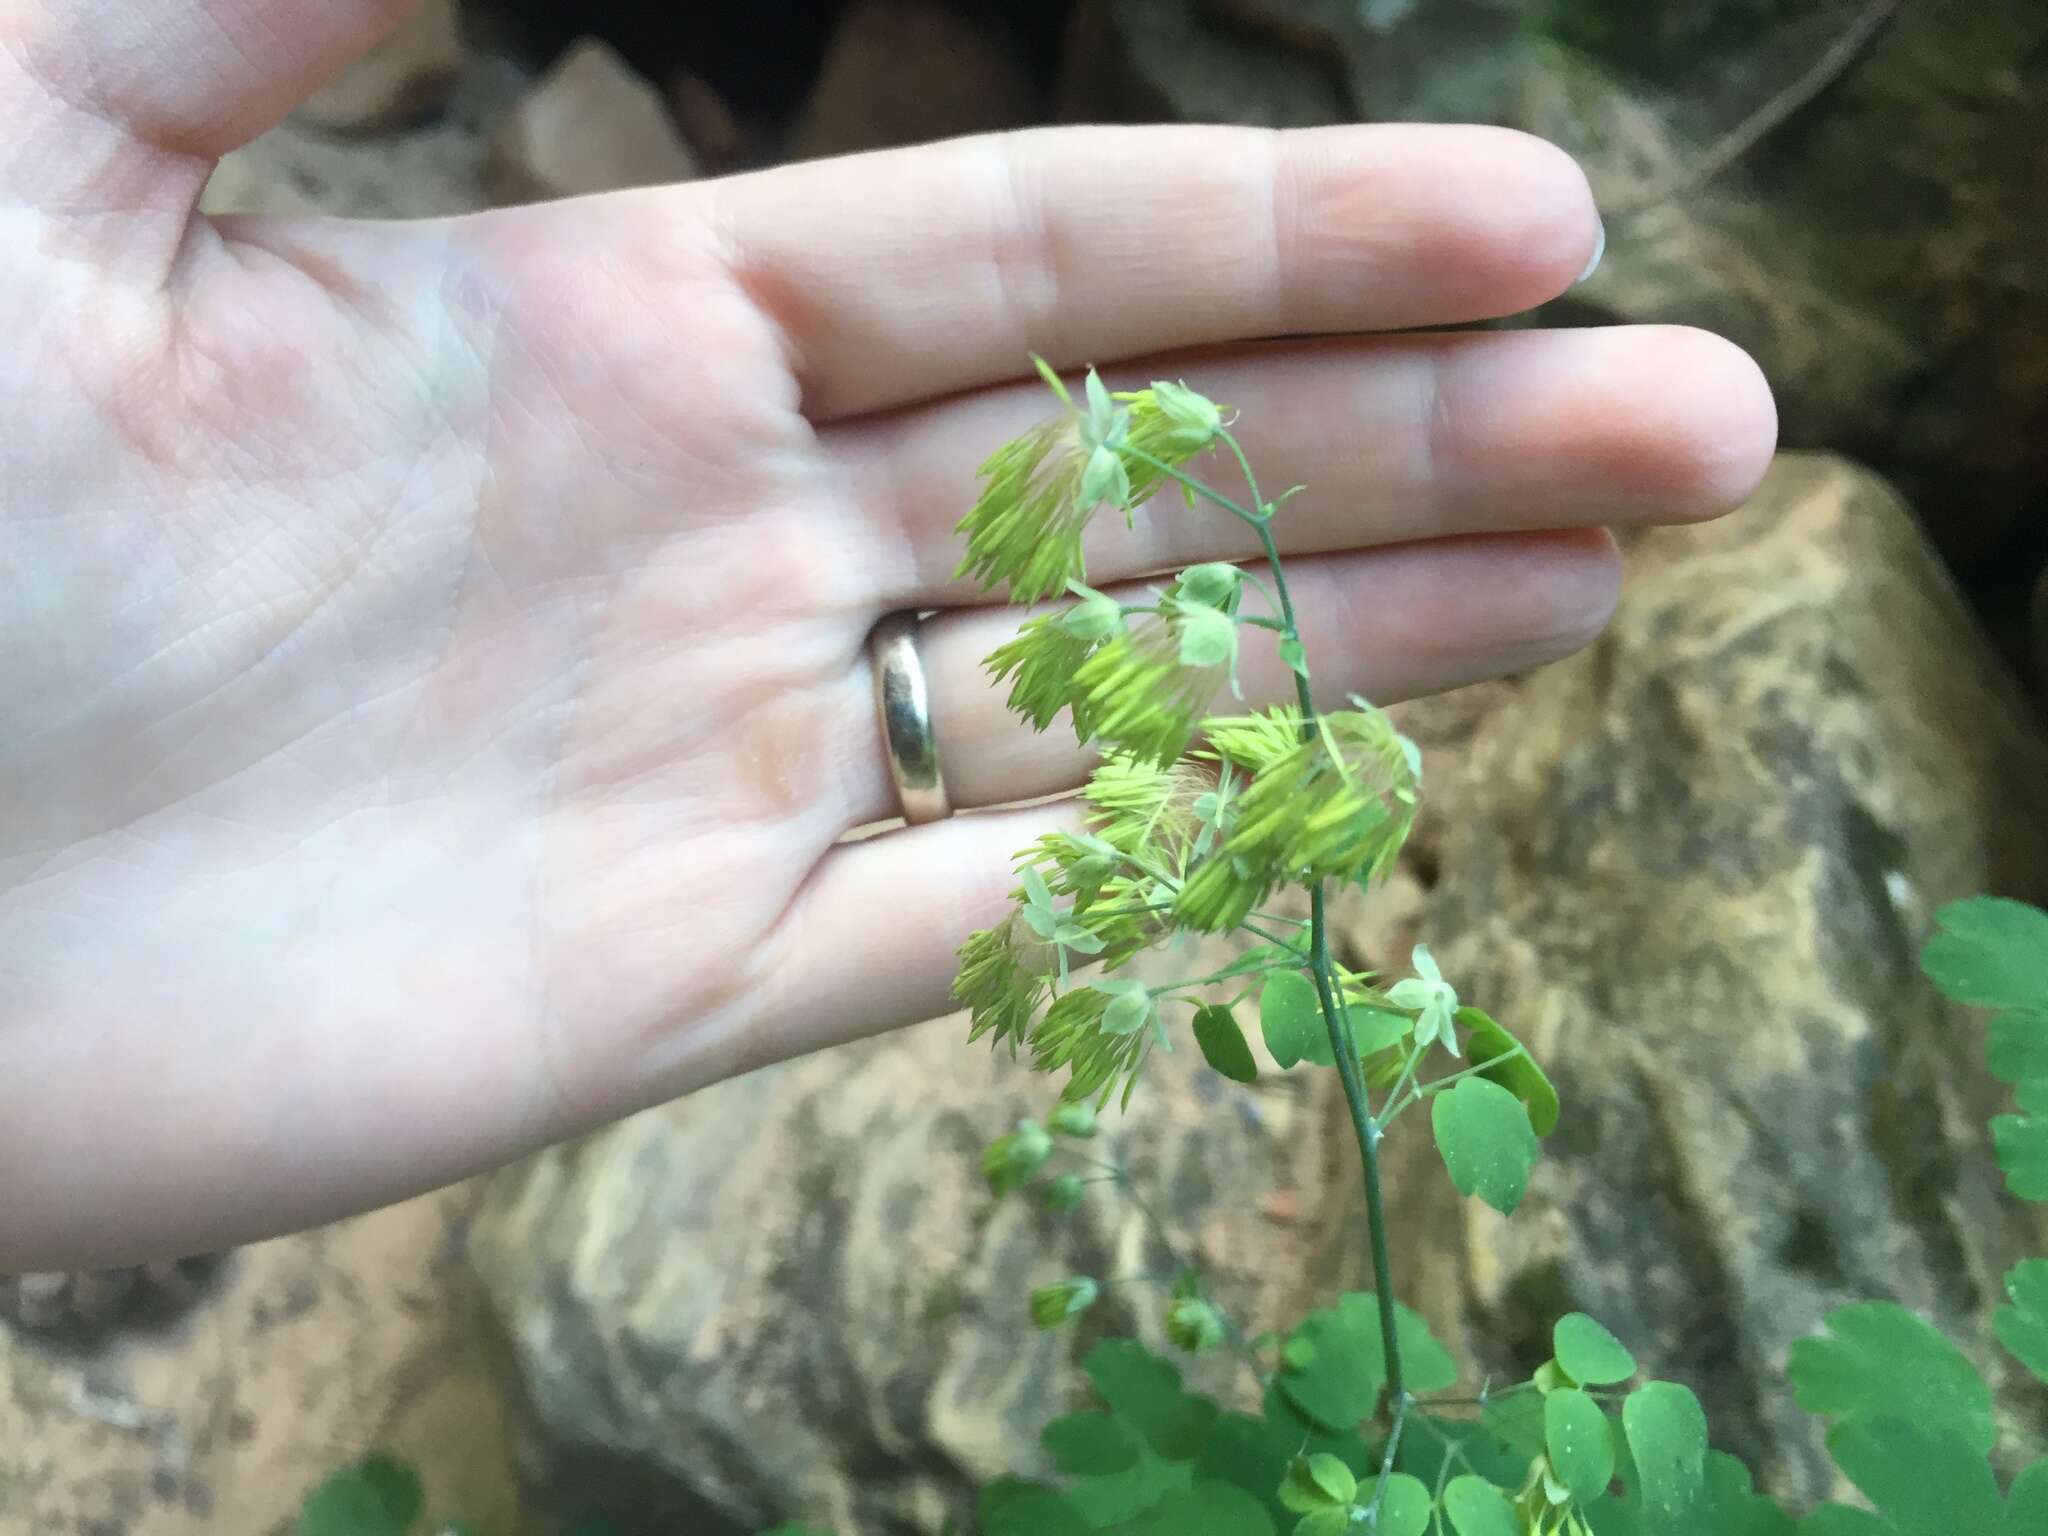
column 1588, row 1353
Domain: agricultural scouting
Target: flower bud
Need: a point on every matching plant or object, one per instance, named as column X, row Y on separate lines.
column 1062, row 1194
column 1072, row 1120
column 1011, row 1160
column 1194, row 1325
column 1195, row 418
column 1052, row 1305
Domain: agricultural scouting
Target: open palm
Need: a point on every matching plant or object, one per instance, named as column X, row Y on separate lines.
column 435, row 688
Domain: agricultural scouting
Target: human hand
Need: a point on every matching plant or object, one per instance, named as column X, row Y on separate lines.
column 435, row 685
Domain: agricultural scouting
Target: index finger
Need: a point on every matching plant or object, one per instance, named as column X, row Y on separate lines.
column 911, row 273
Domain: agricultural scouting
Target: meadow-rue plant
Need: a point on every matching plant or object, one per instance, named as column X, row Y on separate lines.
column 1232, row 823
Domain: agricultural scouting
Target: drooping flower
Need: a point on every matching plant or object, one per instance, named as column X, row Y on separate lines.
column 1193, row 1324
column 1052, row 1305
column 1072, row 1035
column 1432, row 1000
column 1136, row 693
column 1040, row 490
column 1337, row 805
column 1004, row 974
column 1011, row 1159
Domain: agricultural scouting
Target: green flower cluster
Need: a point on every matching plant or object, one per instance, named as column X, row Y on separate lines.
column 1041, row 489
column 1139, row 688
column 1335, row 806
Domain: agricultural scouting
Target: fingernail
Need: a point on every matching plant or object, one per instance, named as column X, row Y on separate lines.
column 1593, row 261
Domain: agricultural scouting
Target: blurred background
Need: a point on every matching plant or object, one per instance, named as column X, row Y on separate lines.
column 1691, row 866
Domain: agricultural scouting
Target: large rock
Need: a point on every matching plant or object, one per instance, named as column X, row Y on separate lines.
column 591, row 124
column 908, row 71
column 297, row 1356
column 418, row 169
column 1877, row 252
column 792, row 1295
column 1693, row 867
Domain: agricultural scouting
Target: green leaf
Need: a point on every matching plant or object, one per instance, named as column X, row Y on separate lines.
column 1924, row 1479
column 1375, row 1029
column 1294, row 655
column 1991, row 952
column 1515, row 1419
column 1119, row 1496
column 2017, row 1047
column 1036, row 892
column 2020, row 1143
column 1405, row 1503
column 2026, row 1504
column 1510, row 1066
column 1579, row 1443
column 1206, row 1509
column 1487, row 1142
column 1333, row 1367
column 1841, row 1520
column 347, row 1504
column 1223, row 1044
column 1881, row 1358
column 1589, row 1354
column 1012, row 1507
column 1292, row 1020
column 787, row 1528
column 1090, row 1444
column 1248, row 1453
column 1477, row 1508
column 1733, row 1507
column 1328, row 1521
column 1667, row 1436
column 397, row 1485
column 1316, row 1482
column 1145, row 1392
column 2023, row 1327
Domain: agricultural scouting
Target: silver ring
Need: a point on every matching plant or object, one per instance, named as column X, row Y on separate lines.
column 904, row 701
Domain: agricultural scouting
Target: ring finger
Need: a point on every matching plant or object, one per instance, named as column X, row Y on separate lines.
column 1388, row 623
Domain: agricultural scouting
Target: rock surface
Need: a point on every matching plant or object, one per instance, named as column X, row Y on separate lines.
column 1876, row 252
column 591, row 124
column 411, row 74
column 1693, row 864
column 1693, row 868
column 908, row 71
column 297, row 1356
column 425, row 170
column 791, row 1295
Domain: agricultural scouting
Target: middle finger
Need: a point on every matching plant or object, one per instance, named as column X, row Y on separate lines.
column 1396, row 438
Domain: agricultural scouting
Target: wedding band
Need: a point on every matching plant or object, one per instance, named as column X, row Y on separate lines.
column 904, row 701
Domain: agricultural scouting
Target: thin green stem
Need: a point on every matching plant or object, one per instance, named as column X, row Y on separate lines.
column 1228, row 973
column 1367, row 1130
column 1394, row 1093
column 1239, row 1345
column 1363, row 1124
column 1207, row 492
column 1379, row 1492
column 1429, row 1090
column 1244, row 465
